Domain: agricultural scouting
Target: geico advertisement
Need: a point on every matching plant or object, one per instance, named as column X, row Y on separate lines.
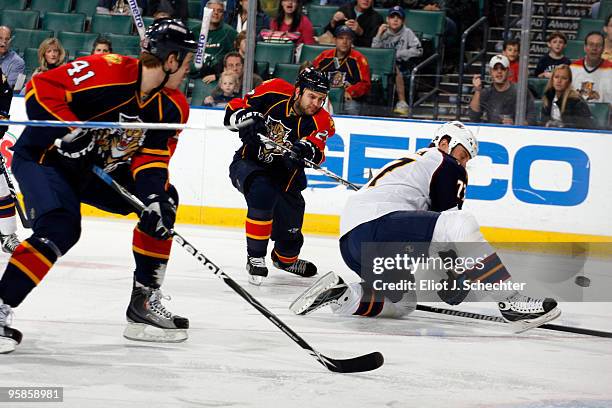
column 534, row 179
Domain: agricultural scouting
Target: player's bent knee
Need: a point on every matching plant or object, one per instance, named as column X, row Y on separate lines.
column 60, row 227
column 457, row 226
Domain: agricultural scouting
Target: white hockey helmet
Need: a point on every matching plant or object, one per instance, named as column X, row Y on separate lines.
column 459, row 135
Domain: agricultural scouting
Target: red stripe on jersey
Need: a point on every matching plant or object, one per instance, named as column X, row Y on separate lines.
column 147, row 245
column 256, row 229
column 31, row 262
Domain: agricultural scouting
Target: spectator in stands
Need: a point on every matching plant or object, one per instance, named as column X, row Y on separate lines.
column 562, row 105
column 225, row 90
column 511, row 49
column 11, row 63
column 240, row 43
column 607, row 54
column 556, row 44
column 234, row 63
column 117, row 6
column 237, row 17
column 592, row 73
column 498, row 102
column 220, row 41
column 346, row 68
column 360, row 17
column 51, row 54
column 289, row 18
column 407, row 47
column 172, row 9
column 102, row 46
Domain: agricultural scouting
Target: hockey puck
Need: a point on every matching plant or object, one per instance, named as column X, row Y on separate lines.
column 583, row 281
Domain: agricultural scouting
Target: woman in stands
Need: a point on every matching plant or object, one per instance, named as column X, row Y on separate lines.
column 289, row 19
column 238, row 18
column 51, row 54
column 562, row 105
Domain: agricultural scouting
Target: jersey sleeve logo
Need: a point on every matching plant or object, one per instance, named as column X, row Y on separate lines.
column 112, row 58
column 121, row 144
column 277, row 132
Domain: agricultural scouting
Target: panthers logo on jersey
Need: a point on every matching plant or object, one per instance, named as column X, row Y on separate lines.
column 120, row 145
column 278, row 133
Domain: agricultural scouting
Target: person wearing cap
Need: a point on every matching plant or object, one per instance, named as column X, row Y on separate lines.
column 361, row 18
column 498, row 102
column 407, row 47
column 346, row 68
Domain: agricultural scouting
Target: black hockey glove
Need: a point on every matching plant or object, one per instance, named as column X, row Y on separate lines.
column 453, row 291
column 75, row 149
column 250, row 125
column 302, row 149
column 157, row 219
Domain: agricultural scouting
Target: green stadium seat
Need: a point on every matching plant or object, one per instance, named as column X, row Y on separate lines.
column 601, row 113
column 30, row 57
column 428, row 25
column 193, row 9
column 87, row 7
column 537, row 105
column 537, row 85
column 262, row 68
column 195, row 26
column 20, row 19
column 320, row 15
column 125, row 44
column 310, row 52
column 288, row 72
column 73, row 22
column 200, row 91
column 574, row 49
column 381, row 62
column 45, row 6
column 12, row 4
column 23, row 39
column 76, row 42
column 605, row 9
column 106, row 23
column 336, row 97
column 147, row 21
column 587, row 25
column 279, row 53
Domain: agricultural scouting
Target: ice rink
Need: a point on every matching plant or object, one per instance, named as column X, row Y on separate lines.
column 73, row 323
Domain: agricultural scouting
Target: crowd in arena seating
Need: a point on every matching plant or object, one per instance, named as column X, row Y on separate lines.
column 350, row 28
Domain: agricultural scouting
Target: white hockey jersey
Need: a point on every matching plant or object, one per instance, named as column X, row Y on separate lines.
column 434, row 181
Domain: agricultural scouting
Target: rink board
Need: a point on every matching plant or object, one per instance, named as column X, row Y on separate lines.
column 527, row 184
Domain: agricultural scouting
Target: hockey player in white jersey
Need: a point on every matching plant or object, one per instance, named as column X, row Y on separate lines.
column 418, row 200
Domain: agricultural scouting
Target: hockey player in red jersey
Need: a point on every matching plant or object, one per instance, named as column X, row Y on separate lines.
column 270, row 181
column 53, row 165
column 417, row 200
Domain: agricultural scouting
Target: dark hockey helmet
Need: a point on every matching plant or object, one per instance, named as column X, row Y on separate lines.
column 312, row 79
column 166, row 36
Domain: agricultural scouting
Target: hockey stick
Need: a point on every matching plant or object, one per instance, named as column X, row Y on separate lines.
column 311, row 163
column 362, row 363
column 198, row 60
column 22, row 216
column 478, row 316
column 140, row 27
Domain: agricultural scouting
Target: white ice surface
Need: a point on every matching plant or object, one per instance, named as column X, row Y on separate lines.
column 73, row 323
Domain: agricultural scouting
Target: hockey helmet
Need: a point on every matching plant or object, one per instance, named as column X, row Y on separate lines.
column 458, row 135
column 312, row 79
column 166, row 36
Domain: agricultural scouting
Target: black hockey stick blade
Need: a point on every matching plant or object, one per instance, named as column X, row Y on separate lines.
column 367, row 362
column 547, row 326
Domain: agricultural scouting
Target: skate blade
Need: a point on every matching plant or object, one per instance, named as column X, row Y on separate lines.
column 148, row 333
column 305, row 300
column 256, row 280
column 524, row 325
column 7, row 345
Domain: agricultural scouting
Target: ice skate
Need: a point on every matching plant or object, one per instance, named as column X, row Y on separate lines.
column 301, row 267
column 149, row 320
column 9, row 337
column 9, row 242
column 256, row 267
column 524, row 312
column 328, row 289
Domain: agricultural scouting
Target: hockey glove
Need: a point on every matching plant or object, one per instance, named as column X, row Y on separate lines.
column 303, row 149
column 249, row 132
column 453, row 291
column 157, row 219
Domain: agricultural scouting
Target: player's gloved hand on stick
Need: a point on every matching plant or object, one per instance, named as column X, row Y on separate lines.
column 249, row 127
column 157, row 219
column 302, row 149
column 453, row 292
column 77, row 146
